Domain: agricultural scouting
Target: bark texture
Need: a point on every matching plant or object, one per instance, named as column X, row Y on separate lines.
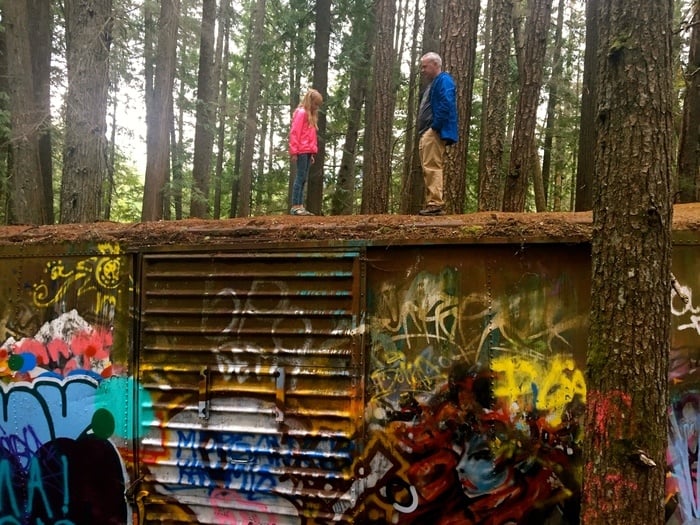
column 375, row 191
column 626, row 418
column 523, row 154
column 460, row 27
column 160, row 114
column 85, row 166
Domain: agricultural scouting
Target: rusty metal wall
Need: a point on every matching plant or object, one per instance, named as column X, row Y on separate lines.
column 66, row 415
column 252, row 366
column 475, row 384
column 363, row 384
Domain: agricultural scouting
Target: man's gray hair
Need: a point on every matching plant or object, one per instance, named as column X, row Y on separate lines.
column 432, row 56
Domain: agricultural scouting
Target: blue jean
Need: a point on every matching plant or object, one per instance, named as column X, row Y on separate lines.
column 303, row 165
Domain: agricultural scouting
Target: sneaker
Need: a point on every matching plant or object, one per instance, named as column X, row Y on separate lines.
column 432, row 210
column 300, row 211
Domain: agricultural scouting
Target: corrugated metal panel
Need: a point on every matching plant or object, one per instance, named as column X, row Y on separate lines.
column 251, row 364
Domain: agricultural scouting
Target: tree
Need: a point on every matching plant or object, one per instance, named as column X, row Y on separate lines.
column 587, row 139
column 523, row 154
column 555, row 80
column 30, row 168
column 460, row 27
column 41, row 33
column 413, row 188
column 314, row 194
column 689, row 143
column 159, row 114
column 496, row 107
column 223, row 106
column 359, row 49
column 248, row 152
column 85, row 167
column 380, row 113
column 206, row 113
column 627, row 370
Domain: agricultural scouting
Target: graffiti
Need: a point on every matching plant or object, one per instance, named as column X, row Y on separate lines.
column 58, row 452
column 482, row 441
column 542, row 387
column 425, row 314
column 35, row 458
column 394, row 373
column 99, row 276
column 35, row 491
column 64, row 346
column 683, row 455
column 250, row 462
column 682, row 306
column 231, row 509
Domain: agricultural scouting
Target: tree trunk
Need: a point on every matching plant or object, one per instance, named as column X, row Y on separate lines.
column 413, row 186
column 375, row 189
column 411, row 141
column 460, row 27
column 88, row 37
column 627, row 376
column 553, row 100
column 223, row 111
column 587, row 138
column 159, row 114
column 689, row 143
column 205, row 115
column 251, row 129
column 360, row 49
column 41, row 28
column 28, row 122
column 496, row 107
column 314, row 193
column 523, row 153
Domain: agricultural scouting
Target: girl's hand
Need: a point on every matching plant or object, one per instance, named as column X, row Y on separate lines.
column 313, row 159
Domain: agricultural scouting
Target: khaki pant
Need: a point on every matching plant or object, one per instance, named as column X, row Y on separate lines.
column 431, row 149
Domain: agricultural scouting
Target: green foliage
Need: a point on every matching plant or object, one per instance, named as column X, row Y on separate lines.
column 127, row 193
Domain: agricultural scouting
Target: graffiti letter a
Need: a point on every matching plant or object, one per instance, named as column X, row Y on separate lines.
column 35, row 484
column 6, row 488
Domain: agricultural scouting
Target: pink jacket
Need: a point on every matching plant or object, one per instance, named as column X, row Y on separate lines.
column 302, row 136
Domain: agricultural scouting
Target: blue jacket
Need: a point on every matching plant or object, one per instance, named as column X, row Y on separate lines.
column 444, row 106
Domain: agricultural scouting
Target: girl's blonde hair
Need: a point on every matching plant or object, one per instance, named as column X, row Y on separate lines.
column 311, row 102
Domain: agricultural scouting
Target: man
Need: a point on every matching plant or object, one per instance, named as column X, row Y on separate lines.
column 437, row 127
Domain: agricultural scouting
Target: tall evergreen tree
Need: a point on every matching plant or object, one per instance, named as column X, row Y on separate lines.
column 359, row 49
column 627, row 369
column 490, row 181
column 206, row 113
column 523, row 155
column 159, row 114
column 587, row 138
column 27, row 32
column 251, row 128
column 320, row 83
column 412, row 185
column 689, row 143
column 88, row 38
column 460, row 27
column 380, row 112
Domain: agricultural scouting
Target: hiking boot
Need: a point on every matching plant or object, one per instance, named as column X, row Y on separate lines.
column 300, row 211
column 432, row 210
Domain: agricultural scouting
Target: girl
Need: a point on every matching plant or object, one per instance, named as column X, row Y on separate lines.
column 303, row 145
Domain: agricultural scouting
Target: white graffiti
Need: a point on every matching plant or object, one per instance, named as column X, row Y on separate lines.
column 682, row 306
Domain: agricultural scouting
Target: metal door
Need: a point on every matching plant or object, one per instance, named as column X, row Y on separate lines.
column 250, row 370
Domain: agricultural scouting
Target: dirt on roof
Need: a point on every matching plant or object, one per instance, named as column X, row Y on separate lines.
column 483, row 227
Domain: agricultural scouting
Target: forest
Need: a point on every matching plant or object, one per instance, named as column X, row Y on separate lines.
column 127, row 110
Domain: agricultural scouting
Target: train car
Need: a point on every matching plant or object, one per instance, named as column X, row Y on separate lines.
column 275, row 371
